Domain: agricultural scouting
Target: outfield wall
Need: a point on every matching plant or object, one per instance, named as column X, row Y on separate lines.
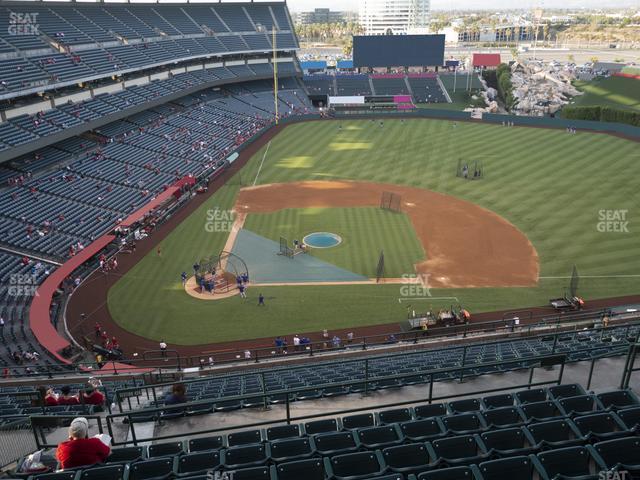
column 540, row 122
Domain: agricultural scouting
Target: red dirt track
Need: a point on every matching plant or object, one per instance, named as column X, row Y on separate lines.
column 91, row 296
column 466, row 245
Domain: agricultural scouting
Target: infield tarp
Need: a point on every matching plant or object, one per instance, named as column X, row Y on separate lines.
column 266, row 266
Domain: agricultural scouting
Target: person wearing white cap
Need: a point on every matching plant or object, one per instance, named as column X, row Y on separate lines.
column 80, row 450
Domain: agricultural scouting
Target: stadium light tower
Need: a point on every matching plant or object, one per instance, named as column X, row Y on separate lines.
column 275, row 73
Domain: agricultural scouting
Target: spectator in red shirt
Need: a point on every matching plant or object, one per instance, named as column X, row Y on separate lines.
column 93, row 396
column 66, row 398
column 80, row 450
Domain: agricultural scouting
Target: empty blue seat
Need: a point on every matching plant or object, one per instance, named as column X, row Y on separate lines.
column 541, row 411
column 358, row 421
column 312, row 469
column 455, row 451
column 412, row 458
column 520, row 468
column 532, row 395
column 321, row 426
column 245, row 456
column 566, row 390
column 631, row 418
column 508, row 442
column 244, row 438
column 503, row 417
column 466, row 405
column 555, row 434
column 109, row 472
column 621, row 454
column 291, row 449
column 497, row 401
column 430, row 410
column 379, row 437
column 206, row 443
column 579, row 405
column 195, row 463
column 618, row 399
column 335, row 443
column 354, row 465
column 425, row 429
column 157, row 468
column 571, row 462
column 463, row 423
column 394, row 416
column 453, row 473
column 601, row 426
column 283, row 431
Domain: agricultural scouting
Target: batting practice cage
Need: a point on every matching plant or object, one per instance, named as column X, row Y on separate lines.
column 223, row 269
column 390, row 201
column 472, row 170
column 285, row 249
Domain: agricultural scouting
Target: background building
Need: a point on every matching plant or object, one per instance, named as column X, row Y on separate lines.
column 321, row 15
column 382, row 17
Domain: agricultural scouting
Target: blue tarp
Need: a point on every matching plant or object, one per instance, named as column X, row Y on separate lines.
column 344, row 64
column 314, row 65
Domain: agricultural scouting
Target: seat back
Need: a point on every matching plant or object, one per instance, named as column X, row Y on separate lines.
column 466, row 422
column 504, row 439
column 464, row 446
column 125, row 455
column 110, row 472
column 358, row 421
column 497, row 401
column 290, row 447
column 206, row 443
column 354, row 464
column 377, row 435
column 599, row 423
column 405, row 456
column 618, row 399
column 164, row 449
column 532, row 395
column 321, row 426
column 312, row 469
column 570, row 462
column 566, row 390
column 507, row 469
column 335, row 442
column 283, row 431
column 621, row 451
column 453, row 473
column 466, row 405
column 422, row 429
column 244, row 438
column 430, row 410
column 198, row 462
column 245, row 455
column 502, row 416
column 630, row 417
column 555, row 432
column 579, row 405
column 540, row 410
column 157, row 467
column 394, row 416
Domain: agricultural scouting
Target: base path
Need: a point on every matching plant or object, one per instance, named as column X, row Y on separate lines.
column 466, row 245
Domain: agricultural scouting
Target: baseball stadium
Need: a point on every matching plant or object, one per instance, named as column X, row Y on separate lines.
column 251, row 266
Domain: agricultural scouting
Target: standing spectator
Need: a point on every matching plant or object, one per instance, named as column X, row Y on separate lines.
column 296, row 342
column 80, row 450
column 163, row 350
column 349, row 338
column 1, row 323
column 261, row 300
column 183, row 276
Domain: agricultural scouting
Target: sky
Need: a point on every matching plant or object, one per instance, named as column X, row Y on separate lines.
column 303, row 5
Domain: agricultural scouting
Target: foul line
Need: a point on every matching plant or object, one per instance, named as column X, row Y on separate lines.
column 594, row 276
column 261, row 163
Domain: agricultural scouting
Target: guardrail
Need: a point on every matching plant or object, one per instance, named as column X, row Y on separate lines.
column 367, row 384
column 153, row 392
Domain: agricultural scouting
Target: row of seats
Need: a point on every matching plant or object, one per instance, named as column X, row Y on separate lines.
column 352, row 449
column 118, row 37
column 27, row 128
column 508, row 354
column 424, row 89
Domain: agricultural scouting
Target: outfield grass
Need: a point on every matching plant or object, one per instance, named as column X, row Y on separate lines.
column 365, row 232
column 550, row 185
column 619, row 92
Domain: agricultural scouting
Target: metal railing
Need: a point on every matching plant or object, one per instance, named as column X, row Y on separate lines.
column 16, row 439
column 154, row 392
column 366, row 385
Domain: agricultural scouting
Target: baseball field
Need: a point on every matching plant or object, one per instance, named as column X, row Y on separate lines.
column 618, row 92
column 547, row 201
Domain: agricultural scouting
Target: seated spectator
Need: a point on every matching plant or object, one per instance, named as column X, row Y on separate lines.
column 177, row 395
column 93, row 396
column 46, row 397
column 80, row 450
column 66, row 398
